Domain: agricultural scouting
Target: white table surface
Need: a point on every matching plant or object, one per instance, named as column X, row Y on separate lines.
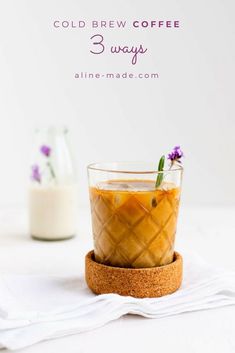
column 210, row 232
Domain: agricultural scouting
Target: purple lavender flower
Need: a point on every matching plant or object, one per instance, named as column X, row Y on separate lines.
column 36, row 175
column 175, row 155
column 46, row 150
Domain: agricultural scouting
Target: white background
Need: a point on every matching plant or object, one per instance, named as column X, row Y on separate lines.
column 191, row 104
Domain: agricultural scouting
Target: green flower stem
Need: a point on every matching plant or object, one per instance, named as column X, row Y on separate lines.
column 160, row 169
column 51, row 170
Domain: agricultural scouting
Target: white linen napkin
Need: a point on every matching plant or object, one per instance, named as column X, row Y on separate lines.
column 37, row 308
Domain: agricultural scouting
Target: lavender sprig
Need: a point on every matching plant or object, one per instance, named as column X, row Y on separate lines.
column 36, row 174
column 46, row 151
column 176, row 155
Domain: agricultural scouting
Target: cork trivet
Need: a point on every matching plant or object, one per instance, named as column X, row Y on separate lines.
column 136, row 282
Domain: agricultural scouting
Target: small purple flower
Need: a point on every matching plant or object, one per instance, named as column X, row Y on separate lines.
column 36, row 175
column 46, row 150
column 175, row 155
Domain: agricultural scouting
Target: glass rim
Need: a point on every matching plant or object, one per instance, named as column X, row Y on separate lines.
column 99, row 166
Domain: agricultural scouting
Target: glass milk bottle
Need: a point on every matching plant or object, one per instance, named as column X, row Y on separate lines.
column 52, row 192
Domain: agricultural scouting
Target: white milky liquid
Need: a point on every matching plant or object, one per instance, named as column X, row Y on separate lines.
column 53, row 211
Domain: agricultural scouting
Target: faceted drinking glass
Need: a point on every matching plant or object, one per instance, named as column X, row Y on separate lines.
column 133, row 221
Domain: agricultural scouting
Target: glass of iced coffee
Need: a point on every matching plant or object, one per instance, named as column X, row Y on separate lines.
column 134, row 210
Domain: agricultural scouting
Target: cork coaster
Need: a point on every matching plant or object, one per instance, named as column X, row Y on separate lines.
column 136, row 282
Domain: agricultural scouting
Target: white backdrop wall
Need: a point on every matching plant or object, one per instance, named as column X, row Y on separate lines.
column 191, row 104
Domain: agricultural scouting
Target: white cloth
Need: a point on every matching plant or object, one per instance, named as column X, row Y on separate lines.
column 37, row 308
